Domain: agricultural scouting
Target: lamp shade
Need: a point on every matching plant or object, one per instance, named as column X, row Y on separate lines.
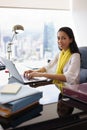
column 18, row 28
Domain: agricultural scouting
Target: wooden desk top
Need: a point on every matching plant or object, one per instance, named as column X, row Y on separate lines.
column 48, row 116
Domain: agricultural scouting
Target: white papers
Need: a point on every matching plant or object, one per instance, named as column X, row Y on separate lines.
column 50, row 94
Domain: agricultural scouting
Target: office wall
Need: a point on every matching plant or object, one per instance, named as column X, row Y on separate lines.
column 43, row 4
column 79, row 14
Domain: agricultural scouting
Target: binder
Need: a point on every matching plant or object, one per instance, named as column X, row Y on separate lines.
column 25, row 91
column 13, row 103
column 7, row 114
column 21, row 103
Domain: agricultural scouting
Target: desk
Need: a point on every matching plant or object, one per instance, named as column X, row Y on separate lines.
column 49, row 119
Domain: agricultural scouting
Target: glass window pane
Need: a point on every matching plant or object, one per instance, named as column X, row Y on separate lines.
column 39, row 39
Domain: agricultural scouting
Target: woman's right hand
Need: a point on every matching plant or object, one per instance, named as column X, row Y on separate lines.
column 27, row 72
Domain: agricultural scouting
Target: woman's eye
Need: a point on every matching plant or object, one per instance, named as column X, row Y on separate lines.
column 63, row 38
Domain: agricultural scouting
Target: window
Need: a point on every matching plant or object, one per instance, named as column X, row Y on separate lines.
column 38, row 40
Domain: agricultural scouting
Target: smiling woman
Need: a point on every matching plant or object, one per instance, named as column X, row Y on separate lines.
column 40, row 27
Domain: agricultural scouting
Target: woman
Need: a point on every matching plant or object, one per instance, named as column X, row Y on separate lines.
column 67, row 64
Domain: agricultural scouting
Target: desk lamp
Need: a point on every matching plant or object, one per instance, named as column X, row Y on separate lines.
column 16, row 29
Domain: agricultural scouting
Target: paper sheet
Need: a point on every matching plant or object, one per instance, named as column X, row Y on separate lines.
column 50, row 94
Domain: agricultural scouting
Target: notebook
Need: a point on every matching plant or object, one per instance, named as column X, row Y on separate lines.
column 10, row 89
column 14, row 72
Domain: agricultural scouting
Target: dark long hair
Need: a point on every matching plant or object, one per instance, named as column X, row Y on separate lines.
column 73, row 45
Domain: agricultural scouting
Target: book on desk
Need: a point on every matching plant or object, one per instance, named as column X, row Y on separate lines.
column 12, row 103
column 77, row 92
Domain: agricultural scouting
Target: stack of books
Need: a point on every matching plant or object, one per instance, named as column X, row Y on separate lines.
column 15, row 98
column 21, row 117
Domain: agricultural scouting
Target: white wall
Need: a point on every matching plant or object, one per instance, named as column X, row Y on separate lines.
column 79, row 14
column 43, row 4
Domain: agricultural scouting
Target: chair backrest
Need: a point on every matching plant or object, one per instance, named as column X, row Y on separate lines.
column 83, row 72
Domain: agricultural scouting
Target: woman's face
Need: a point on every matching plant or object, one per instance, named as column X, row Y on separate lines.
column 63, row 40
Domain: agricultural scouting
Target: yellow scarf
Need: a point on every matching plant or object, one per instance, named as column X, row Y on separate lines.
column 63, row 59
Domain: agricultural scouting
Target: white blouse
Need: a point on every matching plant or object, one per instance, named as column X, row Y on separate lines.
column 71, row 69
